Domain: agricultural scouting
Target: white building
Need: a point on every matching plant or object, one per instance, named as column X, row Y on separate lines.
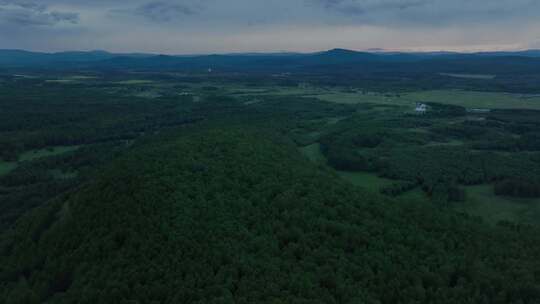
column 421, row 108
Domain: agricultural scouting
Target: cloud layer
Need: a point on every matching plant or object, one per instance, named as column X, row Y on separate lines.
column 206, row 26
column 25, row 13
column 434, row 12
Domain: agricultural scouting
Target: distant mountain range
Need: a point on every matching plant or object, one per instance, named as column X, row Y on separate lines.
column 28, row 58
column 271, row 62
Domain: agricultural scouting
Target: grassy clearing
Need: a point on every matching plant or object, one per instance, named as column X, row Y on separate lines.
column 249, row 91
column 453, row 143
column 6, row 167
column 24, row 76
column 81, row 77
column 71, row 79
column 148, row 94
column 365, row 179
column 297, row 91
column 240, row 90
column 481, row 201
column 469, row 99
column 335, row 120
column 313, row 153
column 355, row 98
column 35, row 154
column 469, row 76
column 65, row 81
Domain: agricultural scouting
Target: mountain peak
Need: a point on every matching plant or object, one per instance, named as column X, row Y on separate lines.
column 341, row 51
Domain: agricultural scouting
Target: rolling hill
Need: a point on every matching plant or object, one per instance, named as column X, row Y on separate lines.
column 234, row 216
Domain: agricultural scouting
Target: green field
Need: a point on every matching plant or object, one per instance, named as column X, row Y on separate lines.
column 35, row 154
column 81, row 77
column 468, row 99
column 6, row 167
column 313, row 152
column 469, row 76
column 365, row 179
column 135, row 82
column 481, row 201
column 355, row 98
column 71, row 79
column 148, row 94
column 60, row 81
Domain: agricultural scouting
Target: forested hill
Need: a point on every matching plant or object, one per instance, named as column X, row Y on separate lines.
column 235, row 216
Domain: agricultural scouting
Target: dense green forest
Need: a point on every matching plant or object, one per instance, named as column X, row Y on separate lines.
column 239, row 216
column 131, row 187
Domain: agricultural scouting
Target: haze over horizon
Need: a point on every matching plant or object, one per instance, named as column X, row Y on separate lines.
column 214, row 26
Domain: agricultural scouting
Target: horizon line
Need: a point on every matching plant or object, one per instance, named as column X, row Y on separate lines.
column 367, row 50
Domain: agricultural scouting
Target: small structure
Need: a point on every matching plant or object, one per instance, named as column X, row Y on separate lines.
column 421, row 108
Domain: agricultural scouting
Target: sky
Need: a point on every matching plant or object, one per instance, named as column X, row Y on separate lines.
column 228, row 26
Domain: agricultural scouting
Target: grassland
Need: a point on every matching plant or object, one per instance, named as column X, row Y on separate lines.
column 313, row 153
column 481, row 201
column 63, row 81
column 365, row 179
column 71, row 79
column 469, row 76
column 52, row 151
column 81, row 77
column 135, row 82
column 356, row 98
column 468, row 99
column 148, row 94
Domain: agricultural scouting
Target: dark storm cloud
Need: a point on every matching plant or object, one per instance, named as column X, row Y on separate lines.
column 25, row 13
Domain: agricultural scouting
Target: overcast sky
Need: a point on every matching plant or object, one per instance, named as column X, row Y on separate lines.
column 220, row 26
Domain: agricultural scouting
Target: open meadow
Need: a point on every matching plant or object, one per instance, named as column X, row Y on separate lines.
column 468, row 99
column 481, row 201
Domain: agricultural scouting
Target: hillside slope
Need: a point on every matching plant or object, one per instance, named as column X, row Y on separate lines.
column 231, row 216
